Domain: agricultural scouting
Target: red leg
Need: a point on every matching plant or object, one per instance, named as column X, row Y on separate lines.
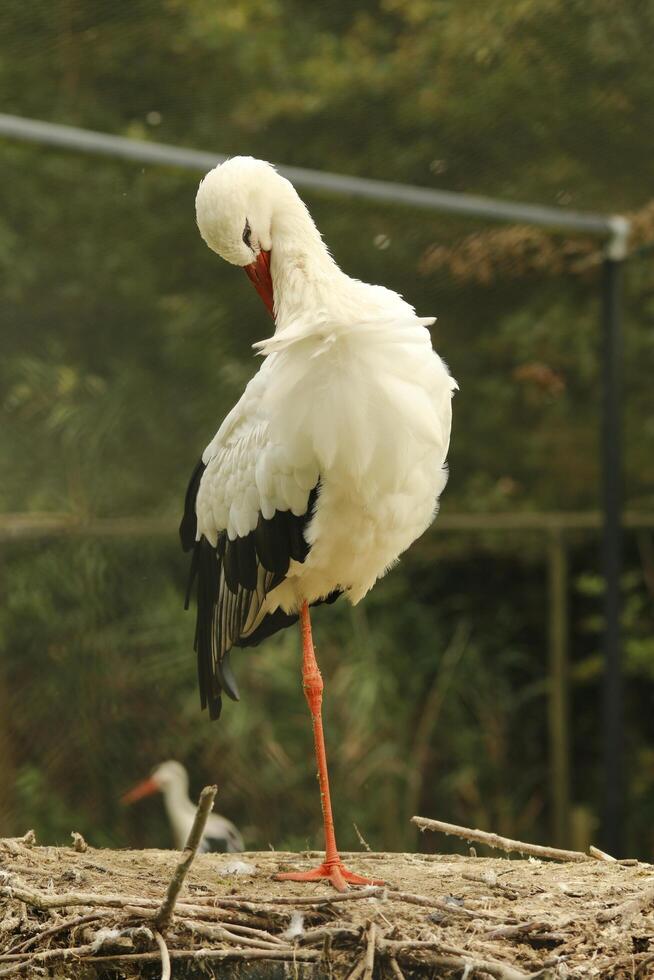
column 332, row 867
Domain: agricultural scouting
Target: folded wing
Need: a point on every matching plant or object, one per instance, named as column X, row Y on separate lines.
column 245, row 514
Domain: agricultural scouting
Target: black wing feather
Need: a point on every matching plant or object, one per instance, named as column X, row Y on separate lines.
column 272, row 543
column 189, row 527
column 247, row 561
column 233, row 580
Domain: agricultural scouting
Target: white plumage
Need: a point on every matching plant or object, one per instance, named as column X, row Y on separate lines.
column 346, row 425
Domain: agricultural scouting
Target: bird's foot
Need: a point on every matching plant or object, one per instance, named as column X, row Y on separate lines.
column 335, row 871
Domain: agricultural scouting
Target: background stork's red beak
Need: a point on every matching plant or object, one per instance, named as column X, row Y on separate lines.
column 146, row 788
column 258, row 273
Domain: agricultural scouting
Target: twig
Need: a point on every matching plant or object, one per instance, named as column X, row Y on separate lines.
column 240, row 916
column 165, row 956
column 501, row 971
column 165, row 912
column 85, row 954
column 13, row 844
column 369, row 961
column 78, row 920
column 28, row 838
column 500, row 843
column 646, row 961
column 627, row 910
column 49, row 956
column 260, row 934
column 521, row 929
column 458, row 960
column 601, row 855
column 263, row 905
column 79, row 844
column 211, row 954
column 321, row 933
column 45, row 900
column 357, row 969
column 395, row 967
column 220, row 932
column 441, row 903
column 361, row 855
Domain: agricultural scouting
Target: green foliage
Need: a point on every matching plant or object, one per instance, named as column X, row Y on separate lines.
column 125, row 342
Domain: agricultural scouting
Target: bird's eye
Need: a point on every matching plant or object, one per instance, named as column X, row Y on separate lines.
column 247, row 233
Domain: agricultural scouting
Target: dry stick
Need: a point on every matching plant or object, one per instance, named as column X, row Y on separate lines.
column 78, row 920
column 27, row 840
column 644, row 962
column 627, row 910
column 219, row 932
column 183, row 910
column 44, row 900
column 369, row 961
column 357, row 969
column 49, row 956
column 544, row 929
column 500, row 843
column 84, row 953
column 165, row 956
column 450, row 956
column 501, row 971
column 601, row 855
column 309, row 955
column 440, row 903
column 21, row 961
column 395, row 967
column 261, row 934
column 263, row 904
column 165, row 912
column 79, row 844
column 361, row 838
column 358, row 855
column 321, row 933
column 231, row 917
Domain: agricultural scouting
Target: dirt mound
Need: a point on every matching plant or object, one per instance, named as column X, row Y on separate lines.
column 91, row 913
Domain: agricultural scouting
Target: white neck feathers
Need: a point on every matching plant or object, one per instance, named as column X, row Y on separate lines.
column 304, row 273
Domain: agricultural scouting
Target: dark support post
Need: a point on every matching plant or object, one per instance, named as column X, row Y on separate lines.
column 558, row 707
column 612, row 709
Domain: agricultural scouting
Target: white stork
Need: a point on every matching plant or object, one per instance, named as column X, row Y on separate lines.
column 331, row 463
column 171, row 780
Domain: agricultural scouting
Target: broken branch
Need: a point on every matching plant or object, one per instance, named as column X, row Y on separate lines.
column 165, row 912
column 499, row 843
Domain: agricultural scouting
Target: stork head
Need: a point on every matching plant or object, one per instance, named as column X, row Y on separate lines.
column 168, row 774
column 235, row 208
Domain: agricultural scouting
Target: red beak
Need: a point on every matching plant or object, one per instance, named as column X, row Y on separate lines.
column 258, row 272
column 146, row 788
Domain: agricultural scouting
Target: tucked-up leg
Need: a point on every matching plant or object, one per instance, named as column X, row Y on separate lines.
column 332, row 867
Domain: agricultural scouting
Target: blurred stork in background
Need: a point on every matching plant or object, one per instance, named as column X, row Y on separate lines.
column 171, row 780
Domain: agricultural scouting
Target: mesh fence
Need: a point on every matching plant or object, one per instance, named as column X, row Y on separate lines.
column 126, row 341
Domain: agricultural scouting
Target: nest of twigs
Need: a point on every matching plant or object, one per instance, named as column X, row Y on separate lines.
column 83, row 913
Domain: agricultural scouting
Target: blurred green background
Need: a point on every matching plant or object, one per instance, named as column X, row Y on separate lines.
column 125, row 341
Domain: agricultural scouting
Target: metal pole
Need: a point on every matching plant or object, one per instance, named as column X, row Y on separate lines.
column 558, row 711
column 612, row 708
column 452, row 202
